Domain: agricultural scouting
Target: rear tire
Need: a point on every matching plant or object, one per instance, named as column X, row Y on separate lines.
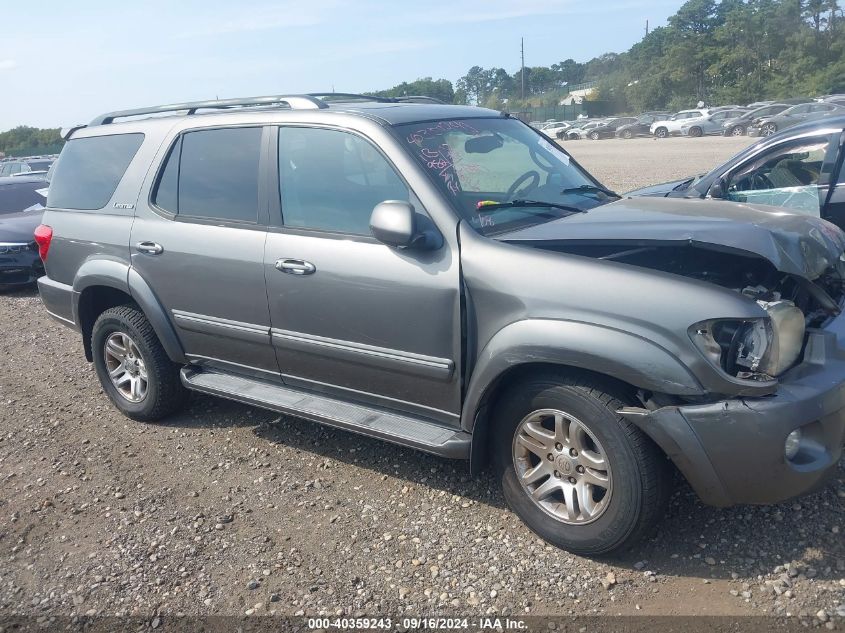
column 696, row 132
column 627, row 134
column 768, row 129
column 133, row 368
column 637, row 475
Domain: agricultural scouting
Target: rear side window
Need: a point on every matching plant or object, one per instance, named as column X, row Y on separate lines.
column 89, row 170
column 212, row 174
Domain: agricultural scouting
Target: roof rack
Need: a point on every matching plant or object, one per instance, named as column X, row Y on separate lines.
column 351, row 96
column 295, row 102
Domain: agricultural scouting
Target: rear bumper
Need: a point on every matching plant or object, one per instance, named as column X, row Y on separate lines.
column 732, row 451
column 58, row 300
column 20, row 269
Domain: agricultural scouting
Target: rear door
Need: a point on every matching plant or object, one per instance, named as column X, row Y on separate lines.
column 199, row 243
column 352, row 317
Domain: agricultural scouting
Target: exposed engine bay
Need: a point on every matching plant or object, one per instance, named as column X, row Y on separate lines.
column 750, row 275
column 759, row 349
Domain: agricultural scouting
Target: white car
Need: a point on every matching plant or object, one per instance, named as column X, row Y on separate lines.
column 582, row 132
column 555, row 129
column 673, row 125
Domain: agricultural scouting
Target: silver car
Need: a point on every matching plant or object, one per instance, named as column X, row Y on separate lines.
column 711, row 124
column 445, row 278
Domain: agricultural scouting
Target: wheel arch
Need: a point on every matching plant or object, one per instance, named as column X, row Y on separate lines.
column 103, row 284
column 620, row 360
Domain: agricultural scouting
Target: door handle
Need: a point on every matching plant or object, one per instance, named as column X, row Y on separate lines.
column 150, row 248
column 295, row 266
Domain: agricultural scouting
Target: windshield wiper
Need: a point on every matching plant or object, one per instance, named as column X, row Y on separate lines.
column 590, row 189
column 529, row 203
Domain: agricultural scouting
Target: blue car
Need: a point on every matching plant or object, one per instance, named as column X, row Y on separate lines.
column 800, row 169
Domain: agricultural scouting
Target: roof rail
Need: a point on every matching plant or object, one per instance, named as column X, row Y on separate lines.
column 351, row 96
column 348, row 96
column 295, row 102
column 419, row 99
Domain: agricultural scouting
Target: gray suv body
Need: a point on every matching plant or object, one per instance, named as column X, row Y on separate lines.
column 446, row 278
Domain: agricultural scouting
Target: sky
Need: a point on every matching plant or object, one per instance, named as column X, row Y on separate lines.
column 63, row 63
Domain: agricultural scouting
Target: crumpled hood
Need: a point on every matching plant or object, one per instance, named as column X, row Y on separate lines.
column 795, row 244
column 19, row 227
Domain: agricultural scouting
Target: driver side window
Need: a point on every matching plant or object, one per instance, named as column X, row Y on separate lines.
column 787, row 176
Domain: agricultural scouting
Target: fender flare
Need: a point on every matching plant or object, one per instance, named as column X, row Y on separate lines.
column 120, row 276
column 603, row 350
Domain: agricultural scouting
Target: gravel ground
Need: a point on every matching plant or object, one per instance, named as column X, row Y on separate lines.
column 626, row 165
column 231, row 510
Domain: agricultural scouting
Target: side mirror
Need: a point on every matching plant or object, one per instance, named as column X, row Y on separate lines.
column 394, row 222
column 719, row 188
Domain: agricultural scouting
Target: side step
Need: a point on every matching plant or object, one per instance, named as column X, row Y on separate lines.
column 392, row 427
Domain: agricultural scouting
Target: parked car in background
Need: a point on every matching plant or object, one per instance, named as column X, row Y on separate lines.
column 710, row 124
column 489, row 299
column 640, row 127
column 608, row 127
column 22, row 201
column 555, row 129
column 766, row 126
column 801, row 169
column 25, row 166
column 582, row 131
column 738, row 126
column 672, row 125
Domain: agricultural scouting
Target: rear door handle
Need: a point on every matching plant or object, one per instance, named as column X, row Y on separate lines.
column 295, row 266
column 150, row 248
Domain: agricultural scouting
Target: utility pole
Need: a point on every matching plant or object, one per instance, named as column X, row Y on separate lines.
column 646, row 28
column 522, row 72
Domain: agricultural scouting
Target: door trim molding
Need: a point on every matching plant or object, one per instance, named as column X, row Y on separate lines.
column 215, row 326
column 380, row 357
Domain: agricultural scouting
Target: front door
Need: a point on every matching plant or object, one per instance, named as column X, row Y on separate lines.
column 352, row 317
column 794, row 174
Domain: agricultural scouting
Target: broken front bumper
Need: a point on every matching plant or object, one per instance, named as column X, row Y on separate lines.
column 733, row 451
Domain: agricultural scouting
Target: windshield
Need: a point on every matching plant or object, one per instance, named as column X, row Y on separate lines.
column 478, row 162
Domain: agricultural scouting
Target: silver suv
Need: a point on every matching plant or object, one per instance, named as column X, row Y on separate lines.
column 446, row 278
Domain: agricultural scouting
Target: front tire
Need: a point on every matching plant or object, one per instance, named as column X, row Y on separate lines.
column 696, row 132
column 661, row 132
column 594, row 136
column 133, row 368
column 737, row 130
column 627, row 134
column 578, row 474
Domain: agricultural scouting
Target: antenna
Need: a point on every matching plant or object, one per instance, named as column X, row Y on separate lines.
column 522, row 72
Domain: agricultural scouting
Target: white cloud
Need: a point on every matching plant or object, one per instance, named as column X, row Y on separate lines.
column 8, row 64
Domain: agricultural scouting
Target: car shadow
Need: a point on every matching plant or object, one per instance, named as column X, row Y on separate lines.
column 692, row 540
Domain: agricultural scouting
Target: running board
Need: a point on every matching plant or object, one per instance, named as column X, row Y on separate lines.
column 392, row 427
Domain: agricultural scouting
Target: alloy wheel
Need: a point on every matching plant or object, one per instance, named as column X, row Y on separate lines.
column 769, row 129
column 562, row 467
column 126, row 367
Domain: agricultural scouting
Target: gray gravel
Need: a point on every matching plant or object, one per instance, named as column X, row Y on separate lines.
column 625, row 165
column 227, row 509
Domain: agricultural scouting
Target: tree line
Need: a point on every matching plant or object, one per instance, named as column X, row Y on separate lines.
column 29, row 140
column 732, row 51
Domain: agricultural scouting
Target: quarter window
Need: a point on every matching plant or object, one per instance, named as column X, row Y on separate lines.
column 331, row 180
column 89, row 170
column 212, row 174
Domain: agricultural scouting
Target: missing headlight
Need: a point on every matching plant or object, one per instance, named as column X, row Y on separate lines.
column 754, row 349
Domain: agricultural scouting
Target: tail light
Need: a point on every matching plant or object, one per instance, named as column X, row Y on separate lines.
column 43, row 237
